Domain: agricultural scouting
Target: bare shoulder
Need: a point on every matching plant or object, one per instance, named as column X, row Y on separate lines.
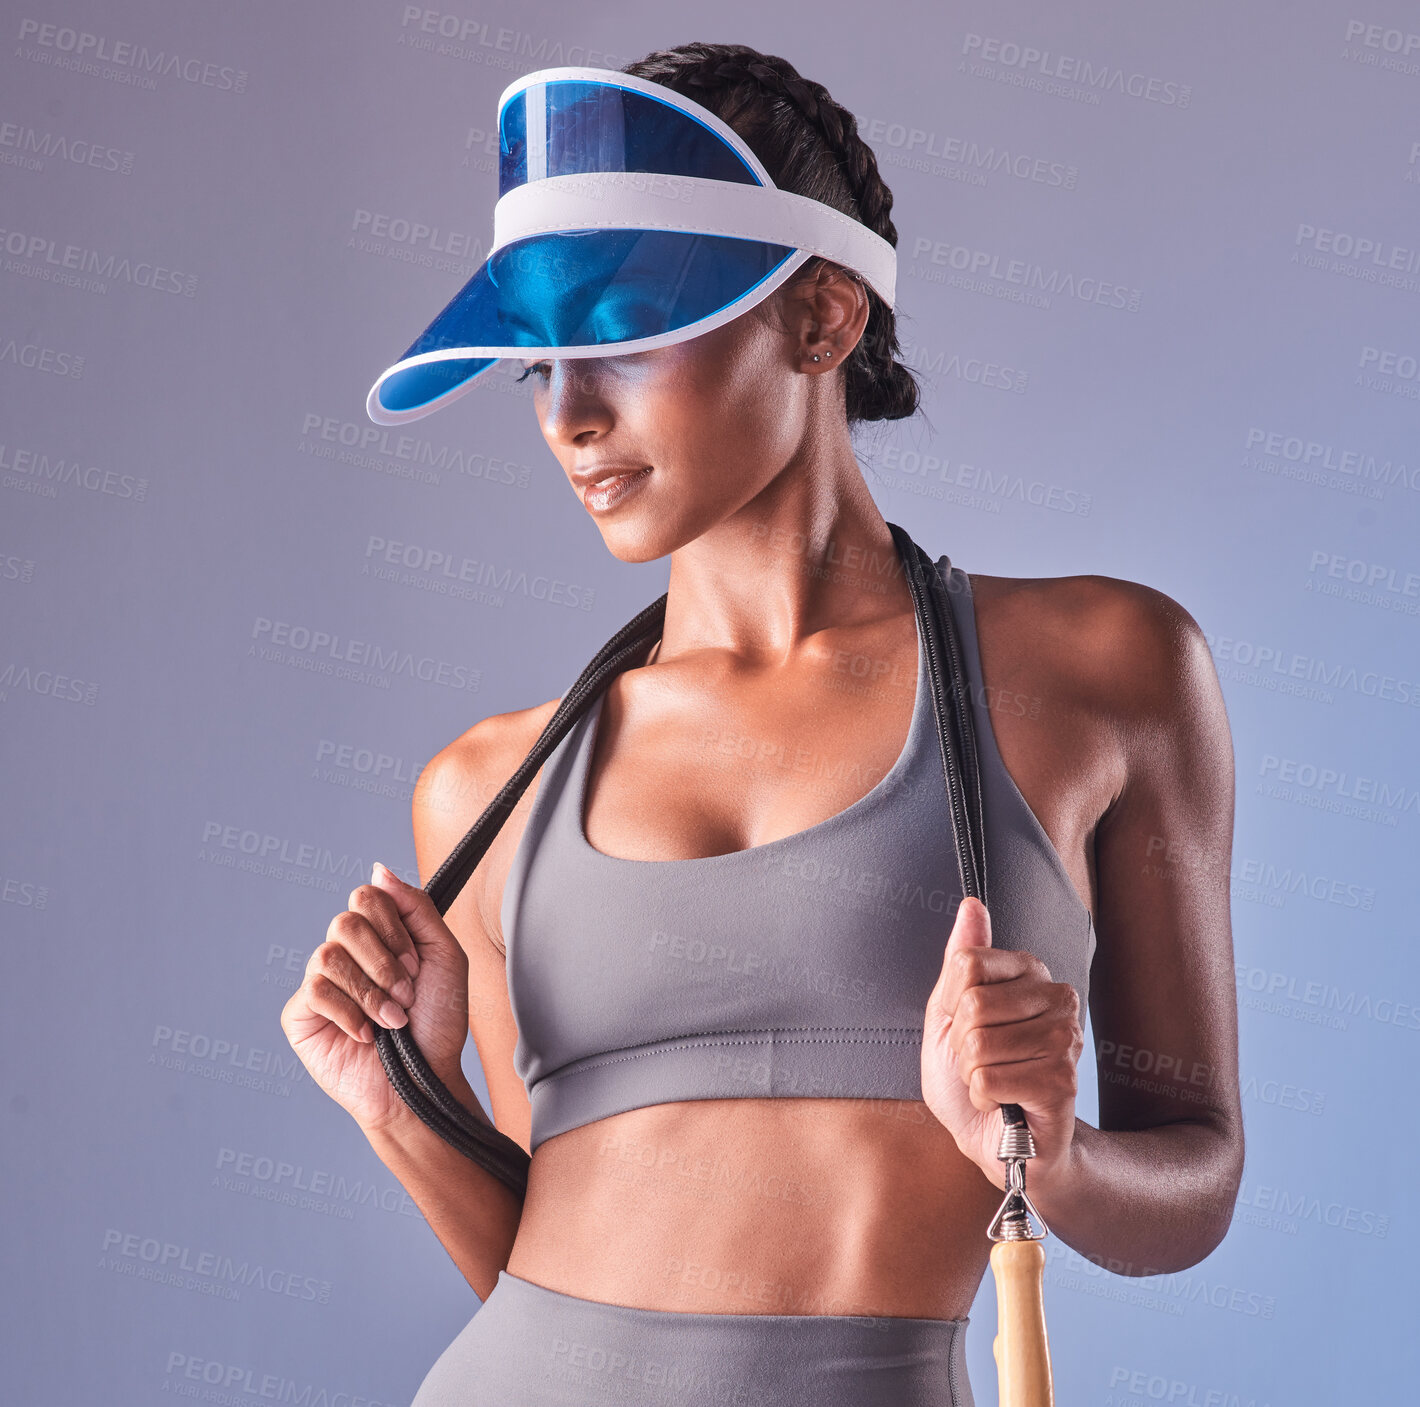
column 480, row 760
column 455, row 786
column 1116, row 649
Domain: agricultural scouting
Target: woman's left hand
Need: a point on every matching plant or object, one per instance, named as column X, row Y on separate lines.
column 999, row 1031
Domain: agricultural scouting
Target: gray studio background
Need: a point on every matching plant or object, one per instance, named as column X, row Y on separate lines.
column 1160, row 274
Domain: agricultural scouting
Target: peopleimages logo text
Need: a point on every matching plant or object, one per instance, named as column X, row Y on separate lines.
column 82, row 47
column 326, row 645
column 1264, row 660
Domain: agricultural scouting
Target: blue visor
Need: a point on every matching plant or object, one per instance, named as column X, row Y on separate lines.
column 611, row 235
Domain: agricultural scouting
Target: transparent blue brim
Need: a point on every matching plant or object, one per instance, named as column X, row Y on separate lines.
column 580, row 289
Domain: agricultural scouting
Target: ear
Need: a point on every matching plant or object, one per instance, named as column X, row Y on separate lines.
column 828, row 310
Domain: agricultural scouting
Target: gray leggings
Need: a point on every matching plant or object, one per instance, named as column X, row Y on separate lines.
column 528, row 1346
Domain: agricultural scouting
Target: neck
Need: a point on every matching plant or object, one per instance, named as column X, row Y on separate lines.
column 799, row 558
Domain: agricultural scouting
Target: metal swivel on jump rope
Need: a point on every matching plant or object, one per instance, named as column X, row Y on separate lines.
column 1021, row 1347
column 1012, row 1219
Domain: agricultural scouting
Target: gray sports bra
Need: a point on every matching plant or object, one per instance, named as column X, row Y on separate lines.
column 801, row 967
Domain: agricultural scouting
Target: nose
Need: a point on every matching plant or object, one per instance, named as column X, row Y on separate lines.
column 573, row 405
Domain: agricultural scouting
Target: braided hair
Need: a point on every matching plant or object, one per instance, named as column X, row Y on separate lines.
column 809, row 145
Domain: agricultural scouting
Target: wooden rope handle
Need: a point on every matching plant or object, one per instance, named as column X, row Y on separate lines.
column 1020, row 1347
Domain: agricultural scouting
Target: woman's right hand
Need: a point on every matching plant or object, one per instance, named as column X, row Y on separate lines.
column 387, row 959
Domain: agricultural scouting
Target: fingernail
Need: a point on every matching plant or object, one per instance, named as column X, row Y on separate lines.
column 411, row 963
column 403, row 991
column 391, row 1014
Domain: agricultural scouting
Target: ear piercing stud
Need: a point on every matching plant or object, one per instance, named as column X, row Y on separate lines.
column 827, row 354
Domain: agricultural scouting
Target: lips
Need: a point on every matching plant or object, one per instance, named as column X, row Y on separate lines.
column 589, row 478
column 609, row 489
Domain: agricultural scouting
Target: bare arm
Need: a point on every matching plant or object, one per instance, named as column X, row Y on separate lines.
column 473, row 1214
column 1152, row 1189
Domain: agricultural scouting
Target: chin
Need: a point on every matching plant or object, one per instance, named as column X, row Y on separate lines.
column 636, row 542
column 649, row 531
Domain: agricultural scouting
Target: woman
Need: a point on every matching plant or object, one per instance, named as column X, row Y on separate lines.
column 729, row 1238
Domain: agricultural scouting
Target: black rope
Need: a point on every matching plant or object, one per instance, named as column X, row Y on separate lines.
column 409, row 1073
column 955, row 727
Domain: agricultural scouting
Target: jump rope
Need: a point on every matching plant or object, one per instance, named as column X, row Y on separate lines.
column 1021, row 1348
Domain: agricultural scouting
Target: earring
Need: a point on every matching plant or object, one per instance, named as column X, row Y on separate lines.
column 815, row 356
